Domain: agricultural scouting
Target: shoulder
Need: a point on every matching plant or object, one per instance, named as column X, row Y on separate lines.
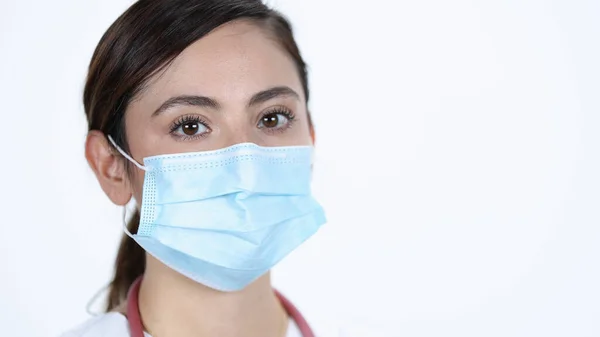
column 111, row 324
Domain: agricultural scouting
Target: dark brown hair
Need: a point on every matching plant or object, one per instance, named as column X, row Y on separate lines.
column 140, row 43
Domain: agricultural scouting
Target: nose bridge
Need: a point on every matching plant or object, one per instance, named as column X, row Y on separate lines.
column 239, row 135
column 240, row 130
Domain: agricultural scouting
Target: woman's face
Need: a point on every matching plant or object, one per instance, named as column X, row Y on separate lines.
column 234, row 85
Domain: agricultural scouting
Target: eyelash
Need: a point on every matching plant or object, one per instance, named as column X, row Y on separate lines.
column 280, row 110
column 186, row 119
column 189, row 119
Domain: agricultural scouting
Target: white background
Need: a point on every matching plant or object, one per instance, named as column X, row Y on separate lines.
column 458, row 161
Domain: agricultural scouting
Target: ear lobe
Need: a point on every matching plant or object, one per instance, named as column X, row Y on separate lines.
column 108, row 168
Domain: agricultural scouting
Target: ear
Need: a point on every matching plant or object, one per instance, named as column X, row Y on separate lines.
column 108, row 167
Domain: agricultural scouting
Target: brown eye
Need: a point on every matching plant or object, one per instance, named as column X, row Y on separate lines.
column 190, row 129
column 275, row 120
column 270, row 121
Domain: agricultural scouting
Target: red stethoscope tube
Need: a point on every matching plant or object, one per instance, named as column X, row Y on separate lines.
column 137, row 329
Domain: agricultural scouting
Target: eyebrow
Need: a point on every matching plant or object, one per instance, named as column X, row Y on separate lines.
column 265, row 95
column 200, row 101
column 207, row 102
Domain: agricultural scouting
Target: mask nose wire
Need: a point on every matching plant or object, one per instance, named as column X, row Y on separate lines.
column 124, row 154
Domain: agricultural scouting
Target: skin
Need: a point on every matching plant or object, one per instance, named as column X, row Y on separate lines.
column 230, row 66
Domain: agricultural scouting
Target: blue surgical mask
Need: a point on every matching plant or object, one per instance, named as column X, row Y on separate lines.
column 223, row 218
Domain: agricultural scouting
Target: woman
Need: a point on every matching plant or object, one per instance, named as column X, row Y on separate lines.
column 197, row 111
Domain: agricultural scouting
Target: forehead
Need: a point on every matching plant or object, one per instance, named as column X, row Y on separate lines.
column 230, row 64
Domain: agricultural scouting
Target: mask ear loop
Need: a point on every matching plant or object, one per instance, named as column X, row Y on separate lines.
column 94, row 298
column 125, row 229
column 140, row 166
column 124, row 154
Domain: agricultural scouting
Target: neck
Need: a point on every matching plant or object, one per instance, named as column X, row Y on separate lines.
column 173, row 305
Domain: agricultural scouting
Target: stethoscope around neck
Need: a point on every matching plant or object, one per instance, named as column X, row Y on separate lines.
column 136, row 327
